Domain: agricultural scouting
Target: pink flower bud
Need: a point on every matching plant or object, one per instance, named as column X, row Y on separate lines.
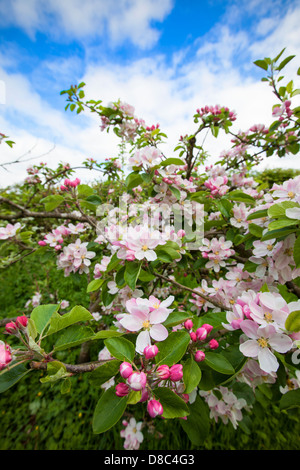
column 125, row 370
column 188, row 324
column 163, row 372
column 213, row 344
column 154, row 408
column 42, row 243
column 22, row 321
column 176, row 372
column 150, row 351
column 11, row 328
column 5, row 355
column 208, row 327
column 137, row 381
column 193, row 336
column 122, row 390
column 199, row 356
column 201, row 333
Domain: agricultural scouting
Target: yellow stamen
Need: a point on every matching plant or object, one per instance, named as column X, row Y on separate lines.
column 146, row 324
column 268, row 317
column 262, row 342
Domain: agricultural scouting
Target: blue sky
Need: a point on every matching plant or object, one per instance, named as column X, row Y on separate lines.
column 165, row 57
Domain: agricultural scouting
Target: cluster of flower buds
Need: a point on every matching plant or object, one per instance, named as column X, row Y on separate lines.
column 13, row 328
column 200, row 335
column 173, row 373
column 137, row 381
column 68, row 184
column 216, row 111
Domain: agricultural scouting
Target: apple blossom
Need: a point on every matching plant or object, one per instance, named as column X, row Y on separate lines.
column 263, row 340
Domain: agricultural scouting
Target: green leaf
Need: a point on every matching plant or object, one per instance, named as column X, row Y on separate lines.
column 175, row 192
column 173, row 348
column 191, row 375
column 42, row 314
column 197, row 424
column 173, row 405
column 262, row 64
column 292, row 322
column 52, row 202
column 103, row 334
column 83, row 191
column 9, row 377
column 104, row 373
column 172, row 161
column 55, row 371
column 121, row 348
column 290, row 399
column 73, row 336
column 258, row 215
column 145, row 276
column 278, row 210
column 167, row 253
column 284, row 62
column 255, row 230
column 280, row 233
column 296, row 252
column 175, row 318
column 282, row 223
column 59, row 322
column 240, row 197
column 95, row 284
column 133, row 179
column 108, row 411
column 131, row 273
column 218, row 363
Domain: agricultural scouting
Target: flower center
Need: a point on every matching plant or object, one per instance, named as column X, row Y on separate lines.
column 146, row 324
column 268, row 317
column 262, row 342
column 145, row 248
column 270, row 247
column 291, row 194
column 156, row 305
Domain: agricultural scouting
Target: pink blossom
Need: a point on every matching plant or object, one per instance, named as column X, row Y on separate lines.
column 148, row 316
column 9, row 231
column 5, row 355
column 263, row 340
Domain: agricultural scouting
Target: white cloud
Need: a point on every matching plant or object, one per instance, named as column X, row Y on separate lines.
column 117, row 21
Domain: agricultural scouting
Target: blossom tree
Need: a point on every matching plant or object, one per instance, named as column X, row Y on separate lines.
column 193, row 271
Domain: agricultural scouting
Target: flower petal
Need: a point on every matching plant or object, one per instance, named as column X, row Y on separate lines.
column 143, row 340
column 158, row 332
column 267, row 361
column 249, row 348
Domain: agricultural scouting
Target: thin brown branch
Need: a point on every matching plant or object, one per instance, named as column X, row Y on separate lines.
column 193, row 291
